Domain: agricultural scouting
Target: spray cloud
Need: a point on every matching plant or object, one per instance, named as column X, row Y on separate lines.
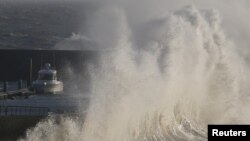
column 164, row 78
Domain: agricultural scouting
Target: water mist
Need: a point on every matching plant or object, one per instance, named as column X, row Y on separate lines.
column 165, row 80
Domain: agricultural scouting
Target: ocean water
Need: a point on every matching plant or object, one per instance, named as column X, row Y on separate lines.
column 39, row 25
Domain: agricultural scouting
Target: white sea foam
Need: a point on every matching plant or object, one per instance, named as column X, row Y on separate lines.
column 164, row 80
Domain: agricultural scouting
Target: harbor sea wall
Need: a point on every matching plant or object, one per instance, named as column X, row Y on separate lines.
column 13, row 127
column 16, row 65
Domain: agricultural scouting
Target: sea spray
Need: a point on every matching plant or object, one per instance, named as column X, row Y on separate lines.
column 165, row 80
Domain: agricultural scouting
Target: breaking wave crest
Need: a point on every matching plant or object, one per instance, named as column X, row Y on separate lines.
column 163, row 80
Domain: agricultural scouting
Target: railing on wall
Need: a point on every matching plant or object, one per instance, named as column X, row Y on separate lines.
column 12, row 89
column 12, row 85
column 23, row 111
